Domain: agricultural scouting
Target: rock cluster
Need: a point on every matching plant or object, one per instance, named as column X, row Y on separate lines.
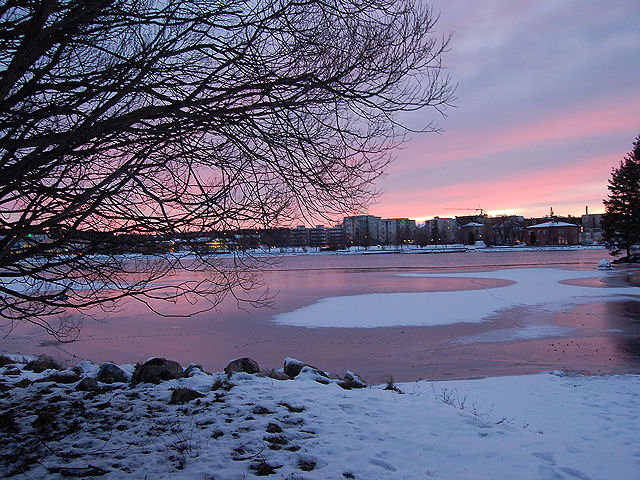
column 88, row 377
column 68, row 407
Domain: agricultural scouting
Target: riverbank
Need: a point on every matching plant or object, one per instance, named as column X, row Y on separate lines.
column 551, row 425
column 417, row 249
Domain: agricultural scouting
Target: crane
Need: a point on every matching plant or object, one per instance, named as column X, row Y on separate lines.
column 481, row 210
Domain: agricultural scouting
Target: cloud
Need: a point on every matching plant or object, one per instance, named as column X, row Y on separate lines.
column 544, row 86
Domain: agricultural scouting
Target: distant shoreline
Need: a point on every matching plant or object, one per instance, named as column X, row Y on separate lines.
column 373, row 250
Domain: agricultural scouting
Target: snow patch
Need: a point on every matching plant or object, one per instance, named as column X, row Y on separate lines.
column 534, row 287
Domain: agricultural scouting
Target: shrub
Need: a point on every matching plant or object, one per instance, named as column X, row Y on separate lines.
column 42, row 363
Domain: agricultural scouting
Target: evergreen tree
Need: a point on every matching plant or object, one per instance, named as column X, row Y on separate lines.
column 621, row 223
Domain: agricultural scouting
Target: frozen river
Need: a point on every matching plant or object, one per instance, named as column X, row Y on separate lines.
column 436, row 316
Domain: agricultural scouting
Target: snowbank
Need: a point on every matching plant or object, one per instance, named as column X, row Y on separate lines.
column 540, row 426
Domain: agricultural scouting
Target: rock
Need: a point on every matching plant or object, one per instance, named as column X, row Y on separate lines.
column 244, row 364
column 4, row 360
column 110, row 373
column 12, row 371
column 351, row 380
column 65, row 377
column 293, row 367
column 88, row 385
column 193, row 368
column 604, row 264
column 156, row 370
column 312, row 373
column 88, row 369
column 184, row 395
column 24, row 383
column 277, row 375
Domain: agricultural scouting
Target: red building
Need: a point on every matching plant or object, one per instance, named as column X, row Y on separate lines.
column 553, row 233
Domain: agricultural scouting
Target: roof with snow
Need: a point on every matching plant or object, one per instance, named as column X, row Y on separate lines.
column 552, row 224
column 473, row 224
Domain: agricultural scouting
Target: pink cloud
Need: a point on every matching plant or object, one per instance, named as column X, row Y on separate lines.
column 567, row 188
column 571, row 126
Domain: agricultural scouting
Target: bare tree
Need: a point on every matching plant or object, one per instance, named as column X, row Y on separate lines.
column 154, row 120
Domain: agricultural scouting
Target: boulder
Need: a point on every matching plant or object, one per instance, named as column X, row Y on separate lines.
column 64, row 377
column 156, row 370
column 277, row 375
column 351, row 380
column 88, row 369
column 312, row 373
column 110, row 373
column 4, row 360
column 244, row 364
column 293, row 367
column 12, row 371
column 88, row 385
column 604, row 264
column 193, row 368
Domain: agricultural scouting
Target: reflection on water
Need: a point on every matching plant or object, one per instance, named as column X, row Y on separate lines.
column 627, row 316
column 600, row 338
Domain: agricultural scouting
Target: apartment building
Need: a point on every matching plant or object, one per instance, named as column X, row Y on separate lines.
column 441, row 230
column 318, row 236
column 362, row 230
column 397, row 230
column 299, row 236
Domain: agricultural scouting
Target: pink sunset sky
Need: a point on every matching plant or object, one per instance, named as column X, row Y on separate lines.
column 548, row 101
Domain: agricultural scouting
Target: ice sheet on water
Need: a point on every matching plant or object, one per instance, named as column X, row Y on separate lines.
column 533, row 287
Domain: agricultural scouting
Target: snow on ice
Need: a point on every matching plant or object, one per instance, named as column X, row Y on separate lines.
column 534, row 287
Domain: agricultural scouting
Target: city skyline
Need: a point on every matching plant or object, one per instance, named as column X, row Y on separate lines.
column 546, row 105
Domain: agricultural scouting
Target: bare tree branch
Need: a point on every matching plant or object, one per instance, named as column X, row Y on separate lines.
column 147, row 121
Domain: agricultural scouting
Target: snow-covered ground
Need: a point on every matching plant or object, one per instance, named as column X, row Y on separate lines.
column 546, row 426
column 532, row 287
